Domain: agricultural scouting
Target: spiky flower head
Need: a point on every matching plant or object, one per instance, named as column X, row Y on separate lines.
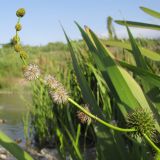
column 23, row 54
column 31, row 72
column 20, row 12
column 52, row 82
column 83, row 117
column 60, row 95
column 18, row 27
column 15, row 39
column 17, row 47
column 143, row 121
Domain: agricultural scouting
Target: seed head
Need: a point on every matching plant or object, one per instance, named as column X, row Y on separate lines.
column 18, row 27
column 60, row 95
column 15, row 39
column 143, row 121
column 31, row 72
column 20, row 12
column 83, row 117
column 17, row 47
column 52, row 82
column 23, row 54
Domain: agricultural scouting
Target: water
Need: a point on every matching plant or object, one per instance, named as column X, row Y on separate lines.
column 12, row 110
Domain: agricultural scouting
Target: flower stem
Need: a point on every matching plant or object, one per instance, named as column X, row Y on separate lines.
column 151, row 143
column 100, row 120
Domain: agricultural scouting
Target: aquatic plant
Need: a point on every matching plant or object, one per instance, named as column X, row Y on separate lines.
column 112, row 93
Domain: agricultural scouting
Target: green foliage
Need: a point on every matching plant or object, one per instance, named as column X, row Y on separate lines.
column 13, row 148
column 114, row 85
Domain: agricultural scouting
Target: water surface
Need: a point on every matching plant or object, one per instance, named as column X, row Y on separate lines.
column 12, row 110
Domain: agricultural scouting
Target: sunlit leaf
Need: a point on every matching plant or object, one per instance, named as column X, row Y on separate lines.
column 13, row 148
column 145, row 52
column 151, row 12
column 138, row 24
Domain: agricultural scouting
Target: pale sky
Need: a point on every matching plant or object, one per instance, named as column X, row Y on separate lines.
column 41, row 22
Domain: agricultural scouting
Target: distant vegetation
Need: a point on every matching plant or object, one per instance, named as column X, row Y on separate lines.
column 50, row 57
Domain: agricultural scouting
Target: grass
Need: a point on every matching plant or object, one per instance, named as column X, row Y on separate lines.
column 49, row 56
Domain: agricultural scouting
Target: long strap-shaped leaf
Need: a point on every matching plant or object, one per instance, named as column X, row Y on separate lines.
column 120, row 82
column 139, row 59
column 13, row 148
column 86, row 91
column 151, row 12
column 138, row 24
column 146, row 52
column 149, row 77
column 136, row 52
column 105, row 140
column 112, row 73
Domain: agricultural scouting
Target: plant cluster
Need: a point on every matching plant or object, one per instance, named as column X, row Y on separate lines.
column 102, row 81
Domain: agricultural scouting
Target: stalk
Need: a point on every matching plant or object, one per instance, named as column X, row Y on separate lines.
column 100, row 120
column 151, row 143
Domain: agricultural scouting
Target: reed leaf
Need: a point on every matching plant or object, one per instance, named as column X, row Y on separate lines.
column 138, row 24
column 146, row 75
column 105, row 140
column 145, row 52
column 123, row 87
column 151, row 12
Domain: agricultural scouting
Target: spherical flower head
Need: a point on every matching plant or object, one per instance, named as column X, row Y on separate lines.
column 143, row 121
column 23, row 54
column 20, row 12
column 17, row 47
column 52, row 82
column 83, row 117
column 15, row 39
column 18, row 27
column 60, row 95
column 31, row 72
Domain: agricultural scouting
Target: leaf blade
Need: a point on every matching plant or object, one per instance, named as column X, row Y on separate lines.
column 138, row 24
column 151, row 12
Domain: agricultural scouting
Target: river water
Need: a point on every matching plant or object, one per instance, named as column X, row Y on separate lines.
column 12, row 110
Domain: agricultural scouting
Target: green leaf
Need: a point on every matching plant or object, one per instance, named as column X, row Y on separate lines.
column 146, row 75
column 145, row 52
column 139, row 59
column 86, row 91
column 13, row 148
column 136, row 52
column 105, row 144
column 151, row 12
column 124, row 87
column 138, row 24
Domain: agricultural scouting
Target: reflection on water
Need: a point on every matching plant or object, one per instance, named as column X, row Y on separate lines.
column 12, row 109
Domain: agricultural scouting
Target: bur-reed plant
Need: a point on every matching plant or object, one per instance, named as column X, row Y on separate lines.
column 5, row 141
column 112, row 94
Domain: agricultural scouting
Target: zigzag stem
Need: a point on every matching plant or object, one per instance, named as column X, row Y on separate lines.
column 100, row 120
column 111, row 126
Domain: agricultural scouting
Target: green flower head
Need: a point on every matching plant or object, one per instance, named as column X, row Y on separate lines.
column 23, row 54
column 20, row 12
column 143, row 121
column 17, row 47
column 18, row 27
column 15, row 39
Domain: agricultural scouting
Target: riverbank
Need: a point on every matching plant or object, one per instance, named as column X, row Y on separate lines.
column 43, row 154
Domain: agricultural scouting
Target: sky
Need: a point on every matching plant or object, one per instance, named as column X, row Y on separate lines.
column 41, row 22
